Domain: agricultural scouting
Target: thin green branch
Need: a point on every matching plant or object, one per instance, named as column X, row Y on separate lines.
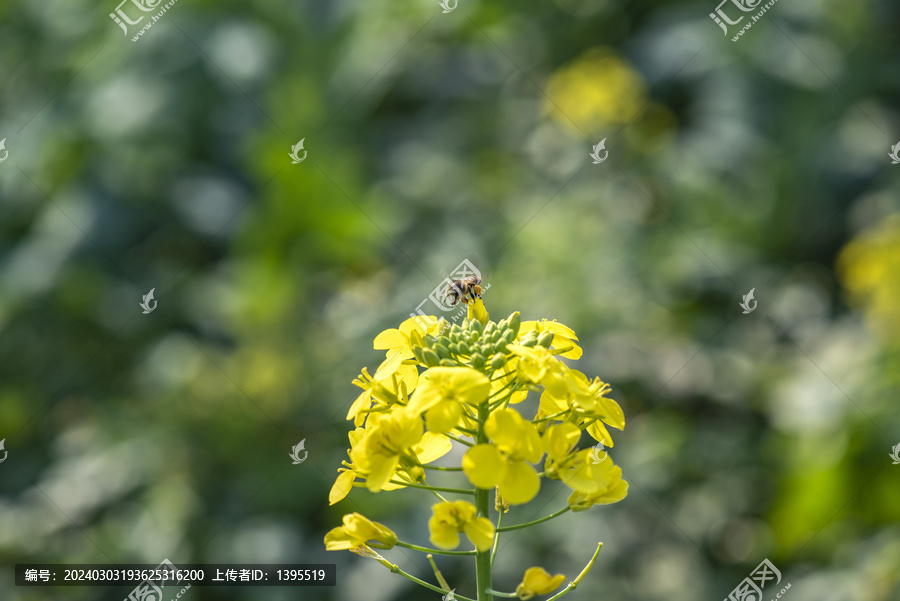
column 459, row 440
column 496, row 537
column 396, row 570
column 574, row 584
column 460, row 491
column 442, row 469
column 527, row 524
column 400, row 543
column 437, row 573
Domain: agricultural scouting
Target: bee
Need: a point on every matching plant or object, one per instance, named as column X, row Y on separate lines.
column 462, row 288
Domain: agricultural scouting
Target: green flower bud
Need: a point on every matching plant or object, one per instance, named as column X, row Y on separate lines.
column 477, row 360
column 442, row 351
column 448, row 363
column 515, row 322
column 454, row 348
column 498, row 361
column 417, row 353
column 545, row 339
column 430, row 358
column 476, row 327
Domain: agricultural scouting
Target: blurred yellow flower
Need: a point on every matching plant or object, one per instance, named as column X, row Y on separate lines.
column 450, row 518
column 537, row 581
column 357, row 531
column 869, row 266
column 596, row 90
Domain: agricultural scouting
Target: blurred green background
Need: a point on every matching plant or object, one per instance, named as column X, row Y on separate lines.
column 435, row 137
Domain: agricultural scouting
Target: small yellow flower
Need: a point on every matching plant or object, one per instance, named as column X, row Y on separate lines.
column 396, row 341
column 537, row 581
column 376, row 450
column 442, row 390
column 357, row 531
column 615, row 491
column 393, row 381
column 505, row 463
column 450, row 518
column 563, row 336
column 534, row 363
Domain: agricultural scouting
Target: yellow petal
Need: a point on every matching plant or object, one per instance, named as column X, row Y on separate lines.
column 443, row 417
column 537, row 581
column 484, row 466
column 431, row 447
column 481, row 532
column 342, row 486
column 559, row 439
column 520, row 483
column 390, row 339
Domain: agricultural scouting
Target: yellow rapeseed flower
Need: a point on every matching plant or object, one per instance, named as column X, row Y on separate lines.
column 357, row 531
column 386, row 438
column 450, row 518
column 396, row 341
column 563, row 336
column 613, row 492
column 441, row 392
column 537, row 581
column 505, row 463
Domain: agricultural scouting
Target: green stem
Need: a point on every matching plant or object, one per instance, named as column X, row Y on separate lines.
column 396, row 570
column 527, row 524
column 496, row 537
column 400, row 543
column 459, row 440
column 574, row 584
column 461, row 491
column 499, row 594
column 443, row 469
column 482, row 558
column 437, row 573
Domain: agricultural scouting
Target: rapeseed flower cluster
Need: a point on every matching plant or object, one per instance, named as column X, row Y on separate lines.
column 440, row 386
